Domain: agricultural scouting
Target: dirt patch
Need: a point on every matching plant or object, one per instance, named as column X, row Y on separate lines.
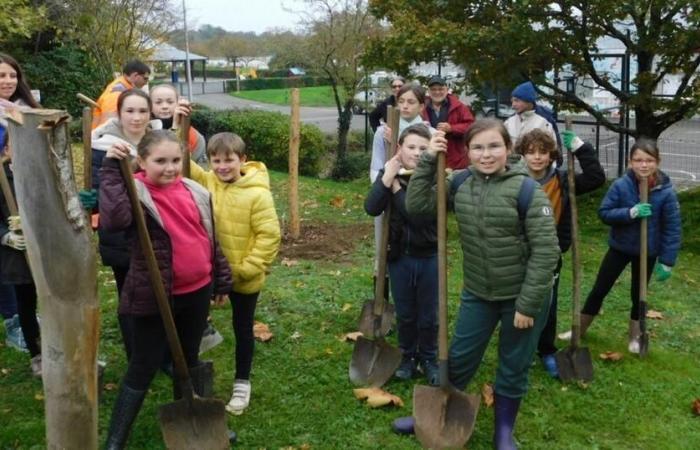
column 322, row 241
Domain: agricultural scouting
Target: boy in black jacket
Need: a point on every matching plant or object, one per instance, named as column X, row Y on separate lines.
column 412, row 258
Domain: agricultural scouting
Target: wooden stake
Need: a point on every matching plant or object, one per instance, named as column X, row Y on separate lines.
column 294, row 138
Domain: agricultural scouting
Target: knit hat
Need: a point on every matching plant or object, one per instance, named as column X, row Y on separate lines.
column 525, row 92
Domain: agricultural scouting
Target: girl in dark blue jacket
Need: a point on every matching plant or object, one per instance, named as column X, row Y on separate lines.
column 621, row 209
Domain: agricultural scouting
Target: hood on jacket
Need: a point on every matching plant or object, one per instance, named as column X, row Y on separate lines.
column 526, row 92
column 110, row 132
column 254, row 174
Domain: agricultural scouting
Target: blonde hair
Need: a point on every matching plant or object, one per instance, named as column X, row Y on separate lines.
column 226, row 143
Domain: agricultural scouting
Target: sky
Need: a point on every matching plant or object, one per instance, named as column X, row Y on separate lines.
column 244, row 15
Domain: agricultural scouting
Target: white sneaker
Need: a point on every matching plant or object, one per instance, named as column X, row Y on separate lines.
column 35, row 364
column 565, row 336
column 210, row 339
column 240, row 398
column 633, row 346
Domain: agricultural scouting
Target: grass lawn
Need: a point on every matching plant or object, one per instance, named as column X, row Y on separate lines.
column 301, row 395
column 309, row 96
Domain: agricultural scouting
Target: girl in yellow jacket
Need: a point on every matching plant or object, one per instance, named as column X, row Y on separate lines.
column 249, row 233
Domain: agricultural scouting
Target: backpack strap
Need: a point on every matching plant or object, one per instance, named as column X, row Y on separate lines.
column 527, row 191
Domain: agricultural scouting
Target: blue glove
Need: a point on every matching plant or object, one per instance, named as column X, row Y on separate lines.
column 663, row 272
column 88, row 198
column 640, row 210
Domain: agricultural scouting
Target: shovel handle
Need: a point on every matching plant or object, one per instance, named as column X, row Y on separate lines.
column 575, row 248
column 88, row 100
column 643, row 254
column 156, row 281
column 442, row 262
column 87, row 148
column 184, row 137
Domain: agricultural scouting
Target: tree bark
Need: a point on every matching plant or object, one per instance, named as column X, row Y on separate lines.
column 63, row 262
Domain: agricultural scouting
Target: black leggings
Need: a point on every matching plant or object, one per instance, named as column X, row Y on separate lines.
column 243, row 308
column 190, row 314
column 26, row 309
column 612, row 266
column 125, row 322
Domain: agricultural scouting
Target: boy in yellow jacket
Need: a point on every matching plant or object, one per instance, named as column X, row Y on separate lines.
column 249, row 233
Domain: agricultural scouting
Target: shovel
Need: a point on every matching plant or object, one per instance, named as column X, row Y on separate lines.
column 191, row 422
column 444, row 416
column 380, row 308
column 643, row 252
column 374, row 360
column 574, row 362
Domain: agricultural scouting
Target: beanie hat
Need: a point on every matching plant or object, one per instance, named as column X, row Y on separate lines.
column 525, row 92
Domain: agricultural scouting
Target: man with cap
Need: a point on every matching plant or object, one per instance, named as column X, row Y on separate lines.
column 135, row 74
column 447, row 113
column 527, row 115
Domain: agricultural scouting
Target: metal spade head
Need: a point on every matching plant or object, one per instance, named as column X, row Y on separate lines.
column 194, row 423
column 445, row 417
column 575, row 364
column 368, row 321
column 373, row 362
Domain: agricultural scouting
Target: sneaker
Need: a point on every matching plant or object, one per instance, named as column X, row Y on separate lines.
column 14, row 336
column 240, row 398
column 633, row 346
column 550, row 365
column 406, row 370
column 210, row 339
column 431, row 372
column 35, row 364
column 404, row 425
column 565, row 336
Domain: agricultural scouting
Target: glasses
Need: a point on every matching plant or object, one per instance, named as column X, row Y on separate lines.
column 396, row 86
column 492, row 148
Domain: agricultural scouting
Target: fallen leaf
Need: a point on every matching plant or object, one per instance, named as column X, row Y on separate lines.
column 4, row 371
column 305, row 447
column 346, row 306
column 377, row 397
column 289, row 262
column 352, row 336
column 337, row 202
column 487, row 394
column 110, row 386
column 611, row 356
column 262, row 332
column 39, row 396
column 696, row 407
column 296, row 335
column 651, row 314
column 299, row 284
column 328, row 351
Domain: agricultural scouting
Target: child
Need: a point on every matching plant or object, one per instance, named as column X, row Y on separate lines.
column 508, row 263
column 528, row 114
column 249, row 231
column 180, row 223
column 166, row 106
column 621, row 209
column 412, row 258
column 540, row 152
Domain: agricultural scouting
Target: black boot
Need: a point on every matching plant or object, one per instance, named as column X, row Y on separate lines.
column 202, row 378
column 505, row 412
column 124, row 413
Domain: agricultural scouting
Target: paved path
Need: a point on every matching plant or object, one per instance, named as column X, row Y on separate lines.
column 325, row 118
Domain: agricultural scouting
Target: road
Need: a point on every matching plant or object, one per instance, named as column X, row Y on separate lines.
column 325, row 118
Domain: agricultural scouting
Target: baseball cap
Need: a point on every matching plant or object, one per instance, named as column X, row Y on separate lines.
column 436, row 79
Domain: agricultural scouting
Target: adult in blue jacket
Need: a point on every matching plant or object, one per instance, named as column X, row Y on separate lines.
column 621, row 209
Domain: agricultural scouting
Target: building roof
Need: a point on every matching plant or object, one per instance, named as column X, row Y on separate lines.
column 166, row 52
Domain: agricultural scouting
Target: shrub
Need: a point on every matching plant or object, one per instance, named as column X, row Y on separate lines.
column 266, row 135
column 355, row 165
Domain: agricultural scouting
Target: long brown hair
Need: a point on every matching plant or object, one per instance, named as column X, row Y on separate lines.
column 22, row 92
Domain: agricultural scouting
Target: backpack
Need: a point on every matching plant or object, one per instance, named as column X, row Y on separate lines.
column 527, row 190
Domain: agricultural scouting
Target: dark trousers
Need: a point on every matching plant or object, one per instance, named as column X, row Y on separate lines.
column 612, row 266
column 125, row 323
column 546, row 346
column 26, row 309
column 476, row 321
column 414, row 287
column 243, row 311
column 8, row 302
column 190, row 314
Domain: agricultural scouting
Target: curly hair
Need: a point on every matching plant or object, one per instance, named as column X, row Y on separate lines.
column 537, row 140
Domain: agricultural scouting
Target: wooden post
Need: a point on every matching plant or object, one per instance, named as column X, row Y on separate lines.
column 64, row 267
column 294, row 137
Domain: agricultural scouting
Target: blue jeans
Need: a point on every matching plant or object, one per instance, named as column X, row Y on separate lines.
column 476, row 322
column 414, row 286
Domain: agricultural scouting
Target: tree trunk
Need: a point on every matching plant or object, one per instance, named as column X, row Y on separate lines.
column 63, row 262
column 344, row 120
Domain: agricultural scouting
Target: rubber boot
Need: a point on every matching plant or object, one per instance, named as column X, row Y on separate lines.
column 202, row 378
column 586, row 321
column 125, row 410
column 634, row 334
column 505, row 413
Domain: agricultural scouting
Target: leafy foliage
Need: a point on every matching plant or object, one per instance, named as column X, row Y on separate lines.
column 23, row 20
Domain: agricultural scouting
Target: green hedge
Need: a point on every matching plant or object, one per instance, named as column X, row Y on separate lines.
column 266, row 135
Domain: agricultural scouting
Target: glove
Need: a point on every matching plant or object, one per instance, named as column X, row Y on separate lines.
column 640, row 210
column 571, row 141
column 88, row 198
column 14, row 240
column 663, row 272
column 14, row 223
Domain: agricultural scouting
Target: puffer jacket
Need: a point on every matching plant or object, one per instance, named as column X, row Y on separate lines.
column 498, row 262
column 246, row 222
column 664, row 225
column 408, row 235
column 13, row 263
column 137, row 296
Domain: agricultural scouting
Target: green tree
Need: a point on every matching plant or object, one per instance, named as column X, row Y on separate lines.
column 496, row 41
column 19, row 20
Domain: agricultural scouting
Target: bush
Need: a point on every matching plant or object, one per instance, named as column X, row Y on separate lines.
column 355, row 165
column 266, row 135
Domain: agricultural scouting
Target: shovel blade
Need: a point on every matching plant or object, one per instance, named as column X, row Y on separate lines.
column 368, row 322
column 194, row 424
column 575, row 364
column 373, row 362
column 445, row 417
column 643, row 345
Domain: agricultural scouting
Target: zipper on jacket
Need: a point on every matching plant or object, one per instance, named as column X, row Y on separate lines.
column 486, row 185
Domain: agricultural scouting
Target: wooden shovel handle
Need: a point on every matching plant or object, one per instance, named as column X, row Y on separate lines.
column 88, row 100
column 643, row 254
column 442, row 256
column 157, row 282
column 575, row 248
column 87, row 148
column 184, row 136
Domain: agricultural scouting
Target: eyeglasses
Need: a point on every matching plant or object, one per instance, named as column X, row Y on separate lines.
column 492, row 148
column 396, row 86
